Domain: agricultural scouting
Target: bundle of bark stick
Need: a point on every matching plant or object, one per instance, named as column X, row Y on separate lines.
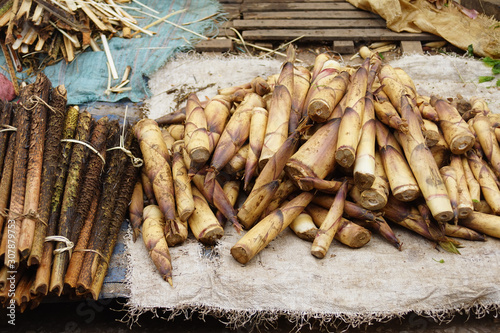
column 60, row 29
column 64, row 193
column 331, row 152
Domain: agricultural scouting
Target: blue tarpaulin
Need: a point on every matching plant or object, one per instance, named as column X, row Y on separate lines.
column 86, row 77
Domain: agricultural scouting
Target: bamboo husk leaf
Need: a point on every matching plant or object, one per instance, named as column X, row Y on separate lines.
column 322, row 185
column 465, row 205
column 52, row 151
column 451, row 181
column 196, row 136
column 316, row 157
column 424, row 166
column 364, row 165
column 459, row 231
column 330, row 225
column 262, row 191
column 256, row 137
column 279, row 110
column 351, row 122
column 301, row 83
column 17, row 196
column 431, row 133
column 71, row 189
column 486, row 137
column 455, row 130
column 401, row 179
column 349, row 233
column 171, row 118
column 472, row 183
column 203, row 223
column 426, row 109
column 257, row 238
column 152, row 234
column 147, row 186
column 156, row 165
column 237, row 163
column 376, row 196
column 409, row 217
column 236, row 131
column 486, row 180
column 217, row 114
column 319, row 61
column 232, row 189
column 182, row 184
column 323, row 102
column 319, row 78
column 41, row 285
column 176, row 131
column 303, row 226
column 485, row 223
column 441, row 151
column 168, row 139
column 387, row 113
column 213, row 192
column 135, row 210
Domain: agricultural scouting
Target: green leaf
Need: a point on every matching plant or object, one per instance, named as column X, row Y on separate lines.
column 439, row 261
column 470, row 50
column 498, row 83
column 486, row 79
column 490, row 62
column 496, row 68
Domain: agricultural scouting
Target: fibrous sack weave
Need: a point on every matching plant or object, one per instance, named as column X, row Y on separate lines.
column 349, row 286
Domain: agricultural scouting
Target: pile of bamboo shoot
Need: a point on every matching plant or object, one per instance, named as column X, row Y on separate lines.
column 332, row 152
column 65, row 187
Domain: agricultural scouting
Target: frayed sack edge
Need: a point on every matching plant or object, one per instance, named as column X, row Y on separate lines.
column 268, row 318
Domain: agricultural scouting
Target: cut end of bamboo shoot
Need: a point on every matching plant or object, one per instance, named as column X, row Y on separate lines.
column 200, row 155
column 318, row 251
column 373, row 200
column 241, row 253
column 462, row 144
column 345, row 156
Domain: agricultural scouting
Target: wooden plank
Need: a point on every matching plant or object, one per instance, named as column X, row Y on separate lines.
column 321, row 14
column 375, row 34
column 307, row 24
column 287, row 6
column 278, row 1
column 344, row 46
column 411, row 47
column 232, row 11
column 214, row 45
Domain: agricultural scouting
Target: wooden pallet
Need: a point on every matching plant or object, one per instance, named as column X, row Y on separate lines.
column 312, row 20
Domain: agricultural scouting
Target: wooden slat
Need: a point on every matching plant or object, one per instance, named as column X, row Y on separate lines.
column 214, row 45
column 307, row 24
column 411, row 47
column 343, row 46
column 321, row 14
column 375, row 34
column 281, row 1
column 287, row 6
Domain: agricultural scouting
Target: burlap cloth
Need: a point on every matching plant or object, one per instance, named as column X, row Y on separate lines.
column 374, row 283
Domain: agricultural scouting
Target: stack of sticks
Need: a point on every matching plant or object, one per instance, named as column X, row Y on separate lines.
column 61, row 29
column 331, row 151
column 66, row 181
